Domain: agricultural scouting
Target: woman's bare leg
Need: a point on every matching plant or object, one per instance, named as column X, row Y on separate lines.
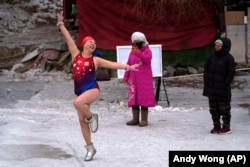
column 82, row 104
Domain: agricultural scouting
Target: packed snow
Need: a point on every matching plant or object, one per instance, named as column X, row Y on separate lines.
column 39, row 125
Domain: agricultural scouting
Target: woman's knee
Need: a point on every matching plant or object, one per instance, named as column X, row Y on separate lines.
column 78, row 103
column 82, row 108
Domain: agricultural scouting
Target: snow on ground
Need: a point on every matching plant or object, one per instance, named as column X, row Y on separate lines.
column 39, row 125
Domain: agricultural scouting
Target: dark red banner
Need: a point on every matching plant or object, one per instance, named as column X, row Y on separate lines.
column 112, row 22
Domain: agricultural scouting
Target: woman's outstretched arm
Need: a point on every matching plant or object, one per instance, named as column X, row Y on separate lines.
column 99, row 62
column 70, row 42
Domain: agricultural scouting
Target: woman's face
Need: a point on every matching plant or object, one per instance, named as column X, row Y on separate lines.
column 90, row 45
column 218, row 46
column 138, row 44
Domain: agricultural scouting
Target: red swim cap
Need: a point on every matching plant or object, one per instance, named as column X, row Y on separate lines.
column 86, row 39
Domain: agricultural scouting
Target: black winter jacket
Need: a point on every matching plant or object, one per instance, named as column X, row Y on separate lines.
column 219, row 73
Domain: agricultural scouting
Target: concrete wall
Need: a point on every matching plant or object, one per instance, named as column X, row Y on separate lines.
column 238, row 38
column 236, row 30
column 248, row 35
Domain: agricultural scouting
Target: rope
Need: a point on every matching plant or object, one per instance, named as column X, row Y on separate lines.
column 194, row 75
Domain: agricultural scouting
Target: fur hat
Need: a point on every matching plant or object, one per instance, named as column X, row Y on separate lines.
column 219, row 41
column 139, row 37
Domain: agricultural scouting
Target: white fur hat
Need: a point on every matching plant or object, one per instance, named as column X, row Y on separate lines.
column 219, row 41
column 139, row 37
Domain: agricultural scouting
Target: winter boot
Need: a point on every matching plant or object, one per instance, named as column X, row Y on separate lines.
column 144, row 118
column 135, row 120
column 90, row 152
column 225, row 130
column 93, row 123
column 216, row 129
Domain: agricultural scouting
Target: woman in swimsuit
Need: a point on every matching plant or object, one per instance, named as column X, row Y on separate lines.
column 87, row 90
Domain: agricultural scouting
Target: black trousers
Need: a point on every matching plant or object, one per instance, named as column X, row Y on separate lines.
column 220, row 108
column 138, row 108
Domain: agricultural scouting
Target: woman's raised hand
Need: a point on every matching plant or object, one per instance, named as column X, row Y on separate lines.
column 60, row 18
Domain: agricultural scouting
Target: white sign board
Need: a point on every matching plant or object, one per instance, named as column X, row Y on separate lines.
column 122, row 53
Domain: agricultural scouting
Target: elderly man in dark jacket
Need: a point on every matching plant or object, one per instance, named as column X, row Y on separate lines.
column 218, row 75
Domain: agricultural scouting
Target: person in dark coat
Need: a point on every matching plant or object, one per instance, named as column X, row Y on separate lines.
column 219, row 73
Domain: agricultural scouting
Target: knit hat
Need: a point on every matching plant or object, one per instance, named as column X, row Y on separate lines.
column 86, row 39
column 219, row 41
column 139, row 37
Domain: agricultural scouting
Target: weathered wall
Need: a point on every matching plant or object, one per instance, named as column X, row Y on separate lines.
column 236, row 31
column 26, row 25
column 248, row 35
column 237, row 34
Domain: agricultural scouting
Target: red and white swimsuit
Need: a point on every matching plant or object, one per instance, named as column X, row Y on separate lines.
column 83, row 70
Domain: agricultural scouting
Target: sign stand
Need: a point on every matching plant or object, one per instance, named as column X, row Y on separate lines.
column 156, row 62
column 158, row 86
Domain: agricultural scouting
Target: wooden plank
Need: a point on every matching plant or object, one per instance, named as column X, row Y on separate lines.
column 234, row 17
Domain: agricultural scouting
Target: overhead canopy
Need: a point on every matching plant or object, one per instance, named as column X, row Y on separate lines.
column 112, row 22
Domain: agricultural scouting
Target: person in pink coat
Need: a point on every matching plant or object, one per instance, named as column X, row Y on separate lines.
column 140, row 83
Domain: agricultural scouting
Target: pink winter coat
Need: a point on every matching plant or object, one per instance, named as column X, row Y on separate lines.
column 140, row 83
